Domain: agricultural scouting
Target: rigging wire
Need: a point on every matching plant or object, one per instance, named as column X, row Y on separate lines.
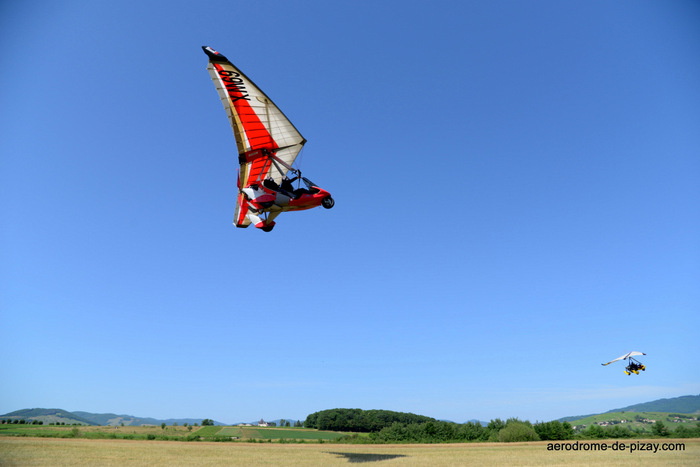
column 298, row 161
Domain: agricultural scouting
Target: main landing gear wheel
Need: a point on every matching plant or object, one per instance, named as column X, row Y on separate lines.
column 327, row 202
column 267, row 228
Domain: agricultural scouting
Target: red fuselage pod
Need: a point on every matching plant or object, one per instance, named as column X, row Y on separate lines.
column 283, row 201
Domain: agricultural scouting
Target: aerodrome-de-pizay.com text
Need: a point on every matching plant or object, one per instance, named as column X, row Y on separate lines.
column 637, row 446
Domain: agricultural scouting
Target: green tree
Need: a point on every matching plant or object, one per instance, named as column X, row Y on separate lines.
column 430, row 429
column 471, row 432
column 554, row 430
column 517, row 431
column 659, row 429
column 618, row 431
column 496, row 425
column 682, row 432
column 207, row 422
column 357, row 420
column 594, row 431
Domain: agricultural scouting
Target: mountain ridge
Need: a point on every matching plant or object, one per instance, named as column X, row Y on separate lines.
column 681, row 404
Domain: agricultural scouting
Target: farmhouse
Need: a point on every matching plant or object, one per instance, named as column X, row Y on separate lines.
column 262, row 423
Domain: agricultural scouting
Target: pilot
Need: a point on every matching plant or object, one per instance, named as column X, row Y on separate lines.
column 270, row 183
column 288, row 187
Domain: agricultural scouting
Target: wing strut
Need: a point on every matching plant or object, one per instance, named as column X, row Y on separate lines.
column 277, row 161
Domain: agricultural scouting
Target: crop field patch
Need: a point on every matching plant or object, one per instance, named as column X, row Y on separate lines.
column 291, row 433
column 208, row 431
column 231, row 431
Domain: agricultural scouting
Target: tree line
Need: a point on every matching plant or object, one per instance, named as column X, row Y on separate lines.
column 512, row 430
column 24, row 422
column 497, row 430
column 361, row 421
column 385, row 426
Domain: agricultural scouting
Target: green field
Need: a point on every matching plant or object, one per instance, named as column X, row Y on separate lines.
column 170, row 433
column 80, row 452
column 208, row 431
column 97, row 432
column 289, row 433
column 229, row 431
column 260, row 433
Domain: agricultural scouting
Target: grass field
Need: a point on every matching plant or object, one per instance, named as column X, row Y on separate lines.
column 288, row 433
column 230, row 431
column 78, row 452
column 172, row 433
column 253, row 432
column 209, row 431
column 121, row 432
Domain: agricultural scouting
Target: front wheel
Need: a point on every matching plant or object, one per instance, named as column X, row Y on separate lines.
column 327, row 202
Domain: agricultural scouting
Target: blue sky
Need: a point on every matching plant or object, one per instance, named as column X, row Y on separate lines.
column 516, row 189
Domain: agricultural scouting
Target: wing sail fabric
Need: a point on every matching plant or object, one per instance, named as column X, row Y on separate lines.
column 260, row 127
column 624, row 357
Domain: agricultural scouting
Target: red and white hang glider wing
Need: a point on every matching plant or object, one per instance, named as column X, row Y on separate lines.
column 258, row 124
column 624, row 357
column 268, row 143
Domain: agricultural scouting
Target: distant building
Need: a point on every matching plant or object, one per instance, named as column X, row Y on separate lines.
column 262, row 423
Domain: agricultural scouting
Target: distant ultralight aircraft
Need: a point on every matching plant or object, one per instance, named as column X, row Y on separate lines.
column 633, row 366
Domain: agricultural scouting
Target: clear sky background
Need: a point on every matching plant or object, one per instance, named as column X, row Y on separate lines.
column 517, row 201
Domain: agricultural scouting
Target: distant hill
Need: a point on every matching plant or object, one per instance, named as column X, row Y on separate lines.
column 130, row 420
column 86, row 418
column 682, row 404
column 47, row 416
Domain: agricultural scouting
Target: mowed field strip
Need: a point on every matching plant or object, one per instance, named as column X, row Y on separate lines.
column 55, row 451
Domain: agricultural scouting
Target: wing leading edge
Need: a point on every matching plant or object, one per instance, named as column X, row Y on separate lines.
column 624, row 357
